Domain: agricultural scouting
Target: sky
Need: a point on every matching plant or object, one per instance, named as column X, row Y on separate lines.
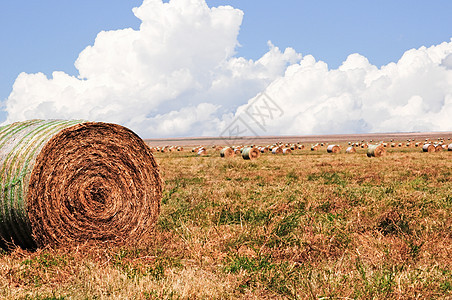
column 220, row 68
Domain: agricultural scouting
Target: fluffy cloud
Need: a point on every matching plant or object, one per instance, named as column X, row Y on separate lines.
column 178, row 76
column 175, row 76
column 414, row 94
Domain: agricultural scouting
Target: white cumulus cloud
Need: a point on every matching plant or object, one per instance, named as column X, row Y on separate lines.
column 175, row 76
column 178, row 75
column 413, row 94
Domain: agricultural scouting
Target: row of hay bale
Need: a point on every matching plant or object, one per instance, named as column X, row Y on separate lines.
column 248, row 153
column 165, row 149
column 436, row 147
column 287, row 148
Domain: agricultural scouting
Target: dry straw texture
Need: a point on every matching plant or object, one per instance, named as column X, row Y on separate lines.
column 67, row 182
column 202, row 152
column 350, row 149
column 250, row 153
column 227, row 152
column 287, row 151
column 428, row 148
column 277, row 150
column 376, row 150
column 333, row 149
column 315, row 147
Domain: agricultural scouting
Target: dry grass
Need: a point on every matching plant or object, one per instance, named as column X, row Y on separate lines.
column 310, row 225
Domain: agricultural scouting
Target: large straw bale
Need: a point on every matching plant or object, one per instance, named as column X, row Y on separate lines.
column 202, row 151
column 277, row 150
column 227, row 152
column 287, row 151
column 428, row 148
column 250, row 153
column 333, row 148
column 71, row 182
column 375, row 150
column 315, row 147
column 350, row 149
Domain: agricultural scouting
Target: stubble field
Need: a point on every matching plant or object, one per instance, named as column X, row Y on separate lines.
column 308, row 225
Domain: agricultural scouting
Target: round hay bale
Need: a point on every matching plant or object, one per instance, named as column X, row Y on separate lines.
column 287, row 151
column 263, row 149
column 449, row 148
column 438, row 148
column 350, row 150
column 250, row 153
column 333, row 149
column 227, row 152
column 277, row 150
column 428, row 148
column 237, row 151
column 202, row 152
column 315, row 147
column 376, row 150
column 72, row 182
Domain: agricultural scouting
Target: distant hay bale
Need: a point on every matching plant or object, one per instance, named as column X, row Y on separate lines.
column 315, row 147
column 74, row 182
column 333, row 149
column 287, row 151
column 428, row 148
column 201, row 152
column 301, row 147
column 376, row 150
column 250, row 153
column 277, row 150
column 263, row 149
column 227, row 152
column 350, row 150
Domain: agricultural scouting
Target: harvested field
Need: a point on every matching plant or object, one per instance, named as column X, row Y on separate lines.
column 308, row 225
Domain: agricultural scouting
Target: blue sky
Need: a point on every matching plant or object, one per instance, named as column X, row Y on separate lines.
column 46, row 36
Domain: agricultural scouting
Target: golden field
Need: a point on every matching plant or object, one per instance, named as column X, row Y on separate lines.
column 307, row 225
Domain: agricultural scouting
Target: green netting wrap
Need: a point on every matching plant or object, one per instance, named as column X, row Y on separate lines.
column 64, row 182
